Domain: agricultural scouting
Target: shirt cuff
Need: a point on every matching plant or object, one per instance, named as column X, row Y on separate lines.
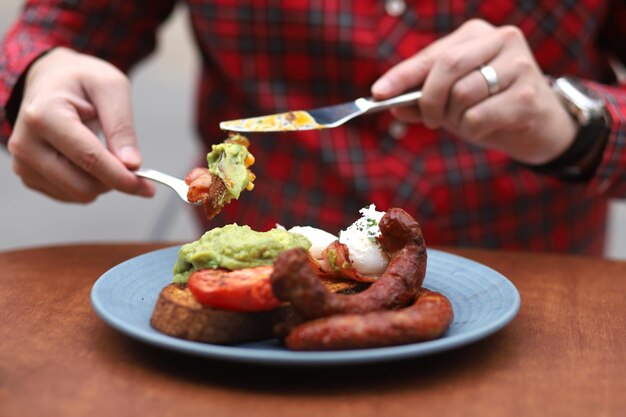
column 610, row 175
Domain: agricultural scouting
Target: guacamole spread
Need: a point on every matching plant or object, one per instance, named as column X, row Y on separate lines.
column 229, row 161
column 234, row 247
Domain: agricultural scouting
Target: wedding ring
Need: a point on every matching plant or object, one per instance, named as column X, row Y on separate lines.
column 490, row 76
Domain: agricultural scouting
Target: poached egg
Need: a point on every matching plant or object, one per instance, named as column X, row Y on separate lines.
column 366, row 255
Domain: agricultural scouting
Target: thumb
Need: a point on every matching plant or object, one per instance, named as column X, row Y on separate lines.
column 110, row 93
column 403, row 76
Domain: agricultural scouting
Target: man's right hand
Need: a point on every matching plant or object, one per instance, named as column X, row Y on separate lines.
column 68, row 97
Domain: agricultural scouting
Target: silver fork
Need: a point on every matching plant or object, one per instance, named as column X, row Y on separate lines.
column 174, row 183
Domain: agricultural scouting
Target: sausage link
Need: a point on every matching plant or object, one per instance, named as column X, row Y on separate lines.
column 428, row 318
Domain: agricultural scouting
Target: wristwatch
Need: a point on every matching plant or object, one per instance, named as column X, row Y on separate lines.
column 579, row 161
column 581, row 102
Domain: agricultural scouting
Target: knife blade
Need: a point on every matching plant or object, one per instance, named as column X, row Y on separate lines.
column 320, row 118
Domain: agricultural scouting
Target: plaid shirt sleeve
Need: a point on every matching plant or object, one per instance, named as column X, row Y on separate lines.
column 98, row 27
column 610, row 175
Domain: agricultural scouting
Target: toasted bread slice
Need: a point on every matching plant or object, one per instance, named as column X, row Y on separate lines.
column 344, row 286
column 178, row 313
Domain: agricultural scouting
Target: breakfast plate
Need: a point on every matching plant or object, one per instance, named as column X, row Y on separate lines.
column 483, row 300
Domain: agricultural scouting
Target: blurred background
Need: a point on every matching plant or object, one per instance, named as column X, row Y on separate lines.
column 163, row 94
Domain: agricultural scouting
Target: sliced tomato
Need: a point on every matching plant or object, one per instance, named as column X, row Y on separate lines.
column 247, row 289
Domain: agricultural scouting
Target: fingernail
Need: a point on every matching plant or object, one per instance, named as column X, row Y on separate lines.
column 130, row 156
column 382, row 87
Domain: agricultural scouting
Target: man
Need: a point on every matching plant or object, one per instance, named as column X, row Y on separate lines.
column 491, row 156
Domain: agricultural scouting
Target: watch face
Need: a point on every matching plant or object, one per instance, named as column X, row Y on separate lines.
column 577, row 95
column 580, row 86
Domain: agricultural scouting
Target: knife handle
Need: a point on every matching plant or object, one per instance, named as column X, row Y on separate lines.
column 370, row 105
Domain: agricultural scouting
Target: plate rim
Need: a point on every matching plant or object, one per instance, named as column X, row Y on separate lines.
column 248, row 354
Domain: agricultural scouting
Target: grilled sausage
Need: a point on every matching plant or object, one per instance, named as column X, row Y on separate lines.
column 428, row 318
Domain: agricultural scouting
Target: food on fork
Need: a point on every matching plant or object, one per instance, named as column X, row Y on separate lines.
column 236, row 285
column 227, row 175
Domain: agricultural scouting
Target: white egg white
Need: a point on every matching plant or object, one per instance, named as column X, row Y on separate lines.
column 366, row 255
column 320, row 239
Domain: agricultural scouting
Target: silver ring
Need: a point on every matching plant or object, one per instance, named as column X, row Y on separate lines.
column 490, row 76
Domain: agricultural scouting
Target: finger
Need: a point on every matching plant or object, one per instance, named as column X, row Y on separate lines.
column 111, row 96
column 35, row 181
column 86, row 110
column 87, row 113
column 473, row 88
column 455, row 63
column 506, row 112
column 407, row 114
column 64, row 131
column 526, row 121
column 464, row 93
column 413, row 71
column 41, row 167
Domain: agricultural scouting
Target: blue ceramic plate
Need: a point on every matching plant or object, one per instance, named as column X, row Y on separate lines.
column 483, row 300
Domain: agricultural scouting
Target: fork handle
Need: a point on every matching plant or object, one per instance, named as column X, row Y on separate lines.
column 176, row 184
column 155, row 175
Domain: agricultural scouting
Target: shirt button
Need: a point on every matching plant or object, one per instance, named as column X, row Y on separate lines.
column 395, row 7
column 397, row 129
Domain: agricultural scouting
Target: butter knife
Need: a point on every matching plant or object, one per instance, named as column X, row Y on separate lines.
column 320, row 118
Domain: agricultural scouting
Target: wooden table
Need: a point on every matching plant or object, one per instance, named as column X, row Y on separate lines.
column 563, row 355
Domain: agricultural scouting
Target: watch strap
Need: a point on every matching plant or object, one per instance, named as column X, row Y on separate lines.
column 580, row 160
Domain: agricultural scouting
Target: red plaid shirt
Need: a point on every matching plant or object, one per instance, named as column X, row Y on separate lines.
column 266, row 56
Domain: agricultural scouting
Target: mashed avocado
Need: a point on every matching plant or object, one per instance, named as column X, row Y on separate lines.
column 234, row 247
column 228, row 161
